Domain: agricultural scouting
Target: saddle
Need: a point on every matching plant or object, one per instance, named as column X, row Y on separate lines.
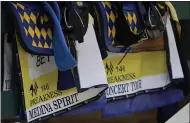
column 38, row 26
column 125, row 24
column 75, row 19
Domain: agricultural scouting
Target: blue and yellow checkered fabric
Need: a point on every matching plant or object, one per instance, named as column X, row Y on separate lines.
column 39, row 37
column 111, row 15
column 132, row 20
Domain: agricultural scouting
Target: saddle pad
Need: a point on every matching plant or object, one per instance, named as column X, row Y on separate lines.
column 41, row 98
column 132, row 74
column 93, row 106
column 138, row 73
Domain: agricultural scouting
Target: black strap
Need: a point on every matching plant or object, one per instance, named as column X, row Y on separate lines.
column 184, row 53
column 2, row 60
column 142, row 12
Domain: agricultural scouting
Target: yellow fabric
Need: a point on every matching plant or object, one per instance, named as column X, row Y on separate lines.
column 91, row 20
column 161, row 6
column 142, row 64
column 132, row 18
column 50, row 78
column 111, row 17
column 174, row 16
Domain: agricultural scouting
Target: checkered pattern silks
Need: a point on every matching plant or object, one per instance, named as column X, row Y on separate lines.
column 132, row 20
column 111, row 15
column 35, row 35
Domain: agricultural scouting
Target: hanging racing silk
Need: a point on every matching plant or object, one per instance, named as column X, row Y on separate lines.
column 38, row 27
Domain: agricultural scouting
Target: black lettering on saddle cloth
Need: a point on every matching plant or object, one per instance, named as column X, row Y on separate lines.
column 34, row 101
column 40, row 60
column 136, row 85
column 40, row 110
column 45, row 97
column 121, row 78
column 117, row 89
column 123, row 88
column 65, row 101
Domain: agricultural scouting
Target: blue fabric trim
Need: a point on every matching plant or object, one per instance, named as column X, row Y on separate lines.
column 94, row 106
column 142, row 103
column 57, row 10
column 63, row 58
